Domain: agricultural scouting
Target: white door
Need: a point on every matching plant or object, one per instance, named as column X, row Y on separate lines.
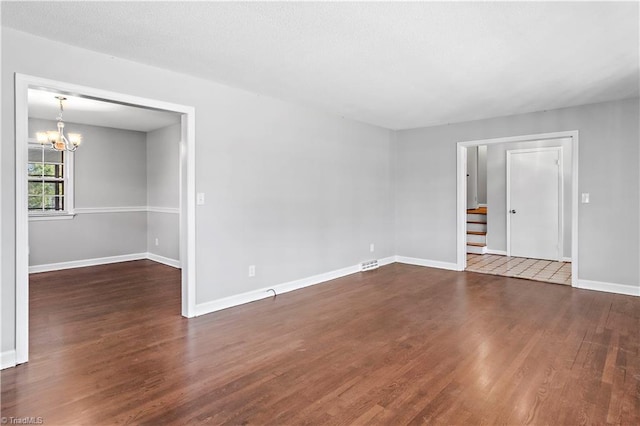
column 534, row 203
column 472, row 177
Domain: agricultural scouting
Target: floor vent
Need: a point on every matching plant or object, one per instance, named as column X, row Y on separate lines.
column 369, row 265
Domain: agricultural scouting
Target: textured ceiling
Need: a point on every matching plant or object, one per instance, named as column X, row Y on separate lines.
column 43, row 104
column 396, row 65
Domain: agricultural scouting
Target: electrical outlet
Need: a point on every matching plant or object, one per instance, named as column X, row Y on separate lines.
column 585, row 198
column 252, row 270
column 200, row 198
column 157, row 242
column 372, row 247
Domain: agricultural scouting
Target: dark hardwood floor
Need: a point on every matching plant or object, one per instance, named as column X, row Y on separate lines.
column 398, row 345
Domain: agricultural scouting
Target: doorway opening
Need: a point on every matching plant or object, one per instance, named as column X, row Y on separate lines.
column 495, row 254
column 186, row 189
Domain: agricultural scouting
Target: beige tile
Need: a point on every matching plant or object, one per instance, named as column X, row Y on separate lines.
column 535, row 269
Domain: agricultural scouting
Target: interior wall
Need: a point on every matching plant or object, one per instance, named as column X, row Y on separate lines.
column 109, row 172
column 292, row 190
column 163, row 192
column 497, row 192
column 482, row 174
column 609, row 243
column 472, row 177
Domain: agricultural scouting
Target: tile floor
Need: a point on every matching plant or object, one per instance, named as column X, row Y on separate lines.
column 520, row 267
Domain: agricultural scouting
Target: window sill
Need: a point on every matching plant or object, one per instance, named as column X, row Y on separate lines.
column 36, row 217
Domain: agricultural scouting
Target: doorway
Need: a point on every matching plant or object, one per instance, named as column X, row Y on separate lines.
column 186, row 191
column 462, row 147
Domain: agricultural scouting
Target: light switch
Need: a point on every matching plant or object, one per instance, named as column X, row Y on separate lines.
column 200, row 198
column 585, row 197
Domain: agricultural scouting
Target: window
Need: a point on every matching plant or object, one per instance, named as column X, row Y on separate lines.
column 49, row 183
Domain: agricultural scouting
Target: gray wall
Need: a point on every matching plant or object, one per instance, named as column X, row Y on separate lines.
column 163, row 190
column 110, row 171
column 472, row 177
column 497, row 192
column 425, row 185
column 482, row 174
column 87, row 236
column 293, row 190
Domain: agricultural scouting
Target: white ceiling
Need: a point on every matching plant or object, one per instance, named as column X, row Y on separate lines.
column 43, row 104
column 392, row 64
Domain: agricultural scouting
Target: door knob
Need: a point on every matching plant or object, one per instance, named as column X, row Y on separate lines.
column 512, row 211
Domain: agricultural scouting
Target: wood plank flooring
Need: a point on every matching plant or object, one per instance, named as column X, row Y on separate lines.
column 398, row 345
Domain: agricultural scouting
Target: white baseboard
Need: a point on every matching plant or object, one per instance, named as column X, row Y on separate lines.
column 566, row 259
column 103, row 261
column 629, row 290
column 7, row 359
column 386, row 260
column 85, row 262
column 497, row 252
column 482, row 205
column 164, row 260
column 252, row 296
column 427, row 262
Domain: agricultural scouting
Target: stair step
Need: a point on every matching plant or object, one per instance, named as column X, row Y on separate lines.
column 477, row 244
column 475, row 221
column 476, row 217
column 479, row 210
column 477, row 227
column 476, row 249
column 476, row 233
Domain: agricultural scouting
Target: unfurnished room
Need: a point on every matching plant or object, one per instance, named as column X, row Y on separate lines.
column 283, row 213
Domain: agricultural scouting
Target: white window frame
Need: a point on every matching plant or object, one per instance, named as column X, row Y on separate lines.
column 69, row 210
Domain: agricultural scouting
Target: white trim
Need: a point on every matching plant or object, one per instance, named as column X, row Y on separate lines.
column 172, row 210
column 461, row 206
column 560, row 240
column 386, row 260
column 629, row 290
column 7, row 359
column 461, row 191
column 251, row 296
column 263, row 293
column 187, row 193
column 22, row 219
column 56, row 216
column 575, row 197
column 428, row 263
column 164, row 260
column 98, row 210
column 566, row 259
column 187, row 218
column 497, row 252
column 85, row 262
column 35, row 269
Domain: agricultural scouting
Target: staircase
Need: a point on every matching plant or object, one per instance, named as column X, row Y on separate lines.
column 477, row 230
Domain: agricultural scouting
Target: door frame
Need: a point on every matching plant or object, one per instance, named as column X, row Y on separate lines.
column 510, row 152
column 461, row 156
column 24, row 82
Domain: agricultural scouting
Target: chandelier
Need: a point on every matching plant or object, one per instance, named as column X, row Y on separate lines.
column 56, row 138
